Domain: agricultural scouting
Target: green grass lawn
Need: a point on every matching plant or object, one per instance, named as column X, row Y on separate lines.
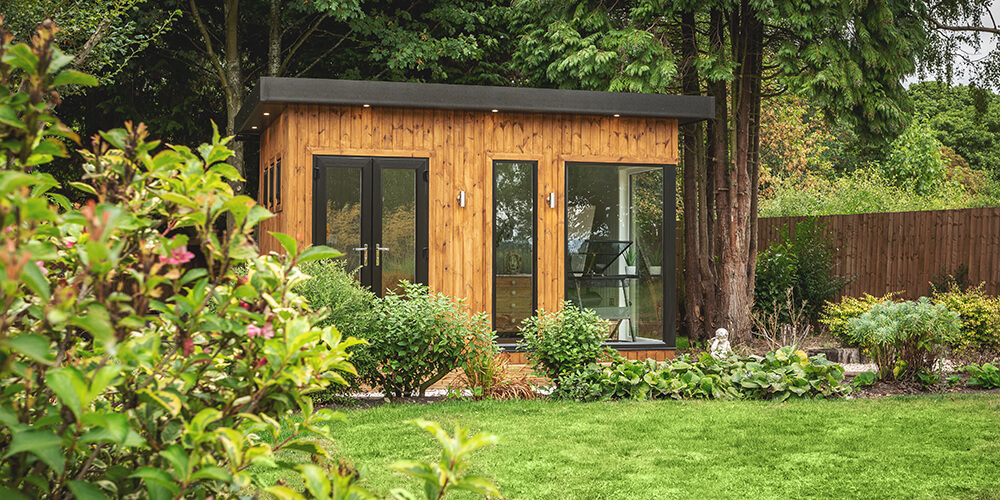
column 920, row 447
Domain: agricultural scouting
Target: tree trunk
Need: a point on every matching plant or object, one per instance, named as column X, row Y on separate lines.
column 736, row 242
column 274, row 40
column 718, row 163
column 234, row 83
column 696, row 294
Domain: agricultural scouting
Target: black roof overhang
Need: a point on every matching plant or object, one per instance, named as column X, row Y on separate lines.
column 272, row 94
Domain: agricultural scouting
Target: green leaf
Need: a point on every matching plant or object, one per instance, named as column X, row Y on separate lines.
column 477, row 484
column 318, row 253
column 43, row 444
column 178, row 458
column 309, row 447
column 284, row 493
column 21, row 57
column 83, row 186
column 214, row 473
column 72, row 77
column 86, row 491
column 33, row 346
column 70, row 387
column 116, row 137
column 287, row 242
column 164, row 399
column 9, row 494
column 316, row 481
column 158, row 477
column 32, row 276
column 97, row 322
column 11, row 179
column 51, row 147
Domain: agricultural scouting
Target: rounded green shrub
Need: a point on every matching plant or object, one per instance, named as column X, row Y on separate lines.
column 979, row 314
column 564, row 341
column 419, row 337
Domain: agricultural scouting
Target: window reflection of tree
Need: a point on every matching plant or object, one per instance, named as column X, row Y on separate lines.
column 513, row 214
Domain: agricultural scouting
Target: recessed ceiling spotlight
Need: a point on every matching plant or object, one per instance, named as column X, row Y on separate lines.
column 267, row 114
column 367, row 105
column 254, row 127
column 617, row 115
column 496, row 110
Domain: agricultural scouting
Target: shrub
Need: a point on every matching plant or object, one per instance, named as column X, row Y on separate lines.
column 127, row 370
column 906, row 337
column 350, row 307
column 803, row 263
column 979, row 314
column 563, row 341
column 780, row 375
column 418, row 338
column 837, row 316
column 117, row 375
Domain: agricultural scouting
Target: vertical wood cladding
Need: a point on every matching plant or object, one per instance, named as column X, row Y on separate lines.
column 461, row 147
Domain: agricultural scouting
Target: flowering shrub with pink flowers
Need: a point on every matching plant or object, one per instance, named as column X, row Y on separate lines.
column 126, row 371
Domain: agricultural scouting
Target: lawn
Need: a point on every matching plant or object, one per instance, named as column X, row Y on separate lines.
column 918, row 447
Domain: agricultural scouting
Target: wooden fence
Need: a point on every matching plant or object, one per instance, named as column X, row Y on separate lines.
column 904, row 251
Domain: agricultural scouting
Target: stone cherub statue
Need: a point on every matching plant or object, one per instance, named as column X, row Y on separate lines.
column 720, row 345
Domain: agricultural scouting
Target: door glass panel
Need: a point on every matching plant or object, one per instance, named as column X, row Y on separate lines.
column 513, row 246
column 399, row 201
column 614, row 221
column 343, row 214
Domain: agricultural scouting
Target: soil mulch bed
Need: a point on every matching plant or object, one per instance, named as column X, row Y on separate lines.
column 884, row 389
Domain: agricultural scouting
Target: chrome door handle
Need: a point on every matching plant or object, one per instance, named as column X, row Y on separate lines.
column 364, row 254
column 378, row 253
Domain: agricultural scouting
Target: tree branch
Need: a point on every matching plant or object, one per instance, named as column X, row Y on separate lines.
column 321, row 57
column 220, row 73
column 298, row 43
column 99, row 34
column 975, row 29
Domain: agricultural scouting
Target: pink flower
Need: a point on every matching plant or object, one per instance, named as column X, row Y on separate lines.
column 179, row 255
column 41, row 265
column 256, row 331
column 70, row 244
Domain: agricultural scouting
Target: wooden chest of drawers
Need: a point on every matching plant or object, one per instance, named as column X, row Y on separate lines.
column 514, row 301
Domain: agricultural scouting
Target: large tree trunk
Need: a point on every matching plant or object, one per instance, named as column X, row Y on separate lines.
column 699, row 282
column 718, row 163
column 736, row 241
column 234, row 84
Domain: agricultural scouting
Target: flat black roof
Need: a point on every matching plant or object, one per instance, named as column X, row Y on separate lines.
column 272, row 94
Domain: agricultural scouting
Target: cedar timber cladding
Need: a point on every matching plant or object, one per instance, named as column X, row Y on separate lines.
column 456, row 128
column 461, row 146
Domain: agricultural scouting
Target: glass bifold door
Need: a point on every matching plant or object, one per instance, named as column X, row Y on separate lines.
column 374, row 210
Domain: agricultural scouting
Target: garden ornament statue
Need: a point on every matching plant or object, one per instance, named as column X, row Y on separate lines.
column 720, row 345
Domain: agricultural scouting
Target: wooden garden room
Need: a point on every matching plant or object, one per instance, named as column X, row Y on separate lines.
column 515, row 199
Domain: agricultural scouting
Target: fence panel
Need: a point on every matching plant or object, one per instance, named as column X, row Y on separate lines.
column 904, row 251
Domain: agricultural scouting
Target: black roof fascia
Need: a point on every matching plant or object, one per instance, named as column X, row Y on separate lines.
column 273, row 93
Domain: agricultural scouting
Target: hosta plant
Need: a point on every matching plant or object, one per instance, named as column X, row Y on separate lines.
column 779, row 375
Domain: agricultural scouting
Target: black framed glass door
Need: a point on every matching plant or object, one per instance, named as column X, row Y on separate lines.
column 374, row 210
